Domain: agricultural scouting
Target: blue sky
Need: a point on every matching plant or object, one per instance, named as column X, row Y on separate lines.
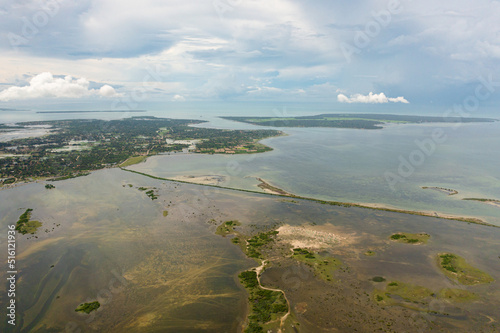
column 410, row 53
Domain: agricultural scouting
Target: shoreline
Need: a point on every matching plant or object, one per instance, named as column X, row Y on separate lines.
column 269, row 189
column 372, row 206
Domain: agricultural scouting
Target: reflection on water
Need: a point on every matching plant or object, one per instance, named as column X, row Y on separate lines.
column 103, row 239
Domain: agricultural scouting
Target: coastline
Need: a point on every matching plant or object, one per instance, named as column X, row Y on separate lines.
column 268, row 189
column 373, row 206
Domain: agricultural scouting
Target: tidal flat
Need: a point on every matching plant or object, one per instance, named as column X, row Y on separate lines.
column 105, row 241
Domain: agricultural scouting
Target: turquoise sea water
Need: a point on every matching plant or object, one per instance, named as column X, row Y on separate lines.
column 98, row 231
column 342, row 164
column 355, row 165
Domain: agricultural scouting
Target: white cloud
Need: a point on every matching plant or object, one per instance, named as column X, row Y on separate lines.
column 107, row 91
column 195, row 45
column 178, row 98
column 371, row 98
column 45, row 85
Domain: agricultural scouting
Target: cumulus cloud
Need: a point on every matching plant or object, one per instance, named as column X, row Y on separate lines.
column 178, row 98
column 371, row 98
column 45, row 85
column 107, row 91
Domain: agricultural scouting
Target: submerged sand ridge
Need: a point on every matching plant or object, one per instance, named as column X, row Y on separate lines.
column 308, row 237
column 203, row 180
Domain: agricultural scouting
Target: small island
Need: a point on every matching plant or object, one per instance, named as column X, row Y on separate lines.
column 408, row 238
column 492, row 202
column 26, row 226
column 269, row 307
column 49, row 186
column 448, row 191
column 226, row 228
column 413, row 296
column 323, row 266
column 268, row 188
column 457, row 269
column 150, row 192
column 402, row 294
column 88, row 307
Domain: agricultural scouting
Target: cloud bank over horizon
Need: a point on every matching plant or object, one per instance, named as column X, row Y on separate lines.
column 45, row 85
column 371, row 98
column 428, row 52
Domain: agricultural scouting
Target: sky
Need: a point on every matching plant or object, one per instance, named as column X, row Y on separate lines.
column 342, row 53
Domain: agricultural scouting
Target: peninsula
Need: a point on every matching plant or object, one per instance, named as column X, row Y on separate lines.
column 75, row 147
column 351, row 120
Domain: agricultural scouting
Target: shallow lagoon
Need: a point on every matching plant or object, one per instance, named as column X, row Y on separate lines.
column 173, row 274
column 350, row 165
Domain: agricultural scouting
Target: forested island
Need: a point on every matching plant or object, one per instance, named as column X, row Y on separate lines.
column 75, row 147
column 350, row 120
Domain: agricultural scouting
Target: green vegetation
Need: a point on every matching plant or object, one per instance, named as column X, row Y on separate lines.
column 362, row 121
column 457, row 295
column 397, row 293
column 8, row 181
column 322, row 265
column 151, row 194
column 25, row 226
column 378, row 279
column 370, row 253
column 448, row 191
column 266, row 186
column 481, row 199
column 290, row 201
column 333, row 203
column 493, row 202
column 88, row 307
column 114, row 143
column 266, row 305
column 49, row 186
column 226, row 228
column 405, row 237
column 133, row 160
column 165, row 213
column 412, row 296
column 258, row 241
column 456, row 268
column 70, row 176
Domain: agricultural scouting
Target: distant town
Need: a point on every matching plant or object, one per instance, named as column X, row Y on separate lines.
column 74, row 147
